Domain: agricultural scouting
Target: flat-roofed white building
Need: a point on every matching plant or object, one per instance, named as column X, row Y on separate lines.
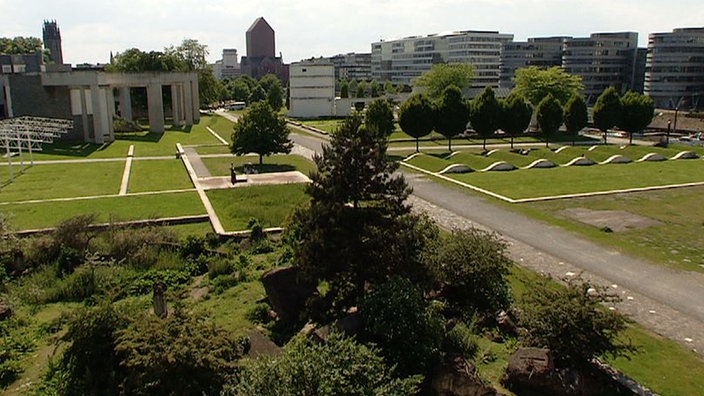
column 674, row 74
column 402, row 61
column 311, row 89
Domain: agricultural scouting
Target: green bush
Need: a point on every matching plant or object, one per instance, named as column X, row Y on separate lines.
column 258, row 314
column 224, row 282
column 144, row 283
column 461, row 340
column 219, row 267
column 399, row 320
column 339, row 366
column 471, row 267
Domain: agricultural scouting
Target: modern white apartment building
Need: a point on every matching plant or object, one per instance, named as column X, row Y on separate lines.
column 542, row 52
column 604, row 60
column 674, row 75
column 402, row 61
column 311, row 89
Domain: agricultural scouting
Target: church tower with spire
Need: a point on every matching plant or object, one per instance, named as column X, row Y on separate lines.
column 52, row 42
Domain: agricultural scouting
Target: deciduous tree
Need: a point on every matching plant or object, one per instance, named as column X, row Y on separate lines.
column 443, row 75
column 345, row 89
column 549, row 117
column 453, row 114
column 535, row 84
column 516, row 115
column 575, row 116
column 471, row 267
column 260, row 130
column 636, row 113
column 379, row 118
column 275, row 95
column 573, row 323
column 607, row 110
column 485, row 114
column 417, row 116
column 258, row 94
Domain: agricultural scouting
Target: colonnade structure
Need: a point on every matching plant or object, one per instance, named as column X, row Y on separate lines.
column 93, row 97
column 27, row 134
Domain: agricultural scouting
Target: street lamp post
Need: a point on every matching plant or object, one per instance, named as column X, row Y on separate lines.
column 667, row 139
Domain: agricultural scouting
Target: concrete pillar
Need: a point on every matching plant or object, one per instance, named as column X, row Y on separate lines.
column 176, row 105
column 195, row 99
column 84, row 114
column 110, row 102
column 155, row 104
column 187, row 100
column 125, row 103
column 101, row 114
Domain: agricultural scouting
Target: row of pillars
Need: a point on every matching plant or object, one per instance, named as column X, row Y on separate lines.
column 184, row 108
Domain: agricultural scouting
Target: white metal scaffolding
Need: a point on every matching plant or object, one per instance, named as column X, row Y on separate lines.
column 27, row 134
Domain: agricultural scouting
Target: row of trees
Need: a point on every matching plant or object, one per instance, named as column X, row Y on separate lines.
column 247, row 89
column 553, row 93
column 189, row 56
column 20, row 45
column 362, row 89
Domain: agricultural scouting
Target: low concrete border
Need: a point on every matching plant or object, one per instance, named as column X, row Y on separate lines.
column 126, row 173
column 218, row 137
column 131, row 223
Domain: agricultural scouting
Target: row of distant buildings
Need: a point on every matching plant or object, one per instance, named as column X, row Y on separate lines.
column 670, row 69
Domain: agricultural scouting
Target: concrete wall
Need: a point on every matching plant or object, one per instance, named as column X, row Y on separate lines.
column 312, row 90
column 30, row 98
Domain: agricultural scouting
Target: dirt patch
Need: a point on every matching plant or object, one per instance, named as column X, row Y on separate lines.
column 616, row 220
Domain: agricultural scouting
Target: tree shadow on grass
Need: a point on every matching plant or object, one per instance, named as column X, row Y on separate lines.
column 73, row 148
column 139, row 136
column 267, row 168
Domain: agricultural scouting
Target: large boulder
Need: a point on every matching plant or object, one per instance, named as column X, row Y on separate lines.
column 458, row 377
column 5, row 310
column 351, row 326
column 261, row 345
column 531, row 369
column 286, row 292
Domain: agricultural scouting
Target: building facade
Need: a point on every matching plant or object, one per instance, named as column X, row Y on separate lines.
column 542, row 52
column 604, row 60
column 261, row 56
column 674, row 75
column 402, row 61
column 352, row 66
column 311, row 89
column 228, row 67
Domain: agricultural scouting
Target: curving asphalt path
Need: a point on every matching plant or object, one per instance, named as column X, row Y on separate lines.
column 681, row 291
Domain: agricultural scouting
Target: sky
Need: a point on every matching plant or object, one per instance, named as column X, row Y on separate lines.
column 90, row 29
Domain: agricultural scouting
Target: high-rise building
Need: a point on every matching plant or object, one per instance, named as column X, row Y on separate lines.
column 352, row 66
column 52, row 42
column 542, row 52
column 402, row 61
column 604, row 60
column 674, row 75
column 261, row 56
column 227, row 67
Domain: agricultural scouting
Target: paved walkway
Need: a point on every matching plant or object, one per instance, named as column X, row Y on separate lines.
column 666, row 301
column 219, row 183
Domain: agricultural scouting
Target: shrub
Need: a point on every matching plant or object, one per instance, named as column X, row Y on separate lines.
column 339, row 366
column 401, row 323
column 258, row 314
column 183, row 354
column 461, row 340
column 471, row 267
column 144, row 283
column 572, row 322
column 219, row 267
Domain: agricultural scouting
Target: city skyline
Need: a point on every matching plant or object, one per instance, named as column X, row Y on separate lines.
column 90, row 30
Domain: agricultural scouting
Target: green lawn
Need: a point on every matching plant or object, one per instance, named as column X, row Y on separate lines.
column 270, row 204
column 65, row 180
column 146, row 143
column 48, row 214
column 532, row 183
column 158, row 175
column 220, row 166
column 219, row 149
column 221, row 125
